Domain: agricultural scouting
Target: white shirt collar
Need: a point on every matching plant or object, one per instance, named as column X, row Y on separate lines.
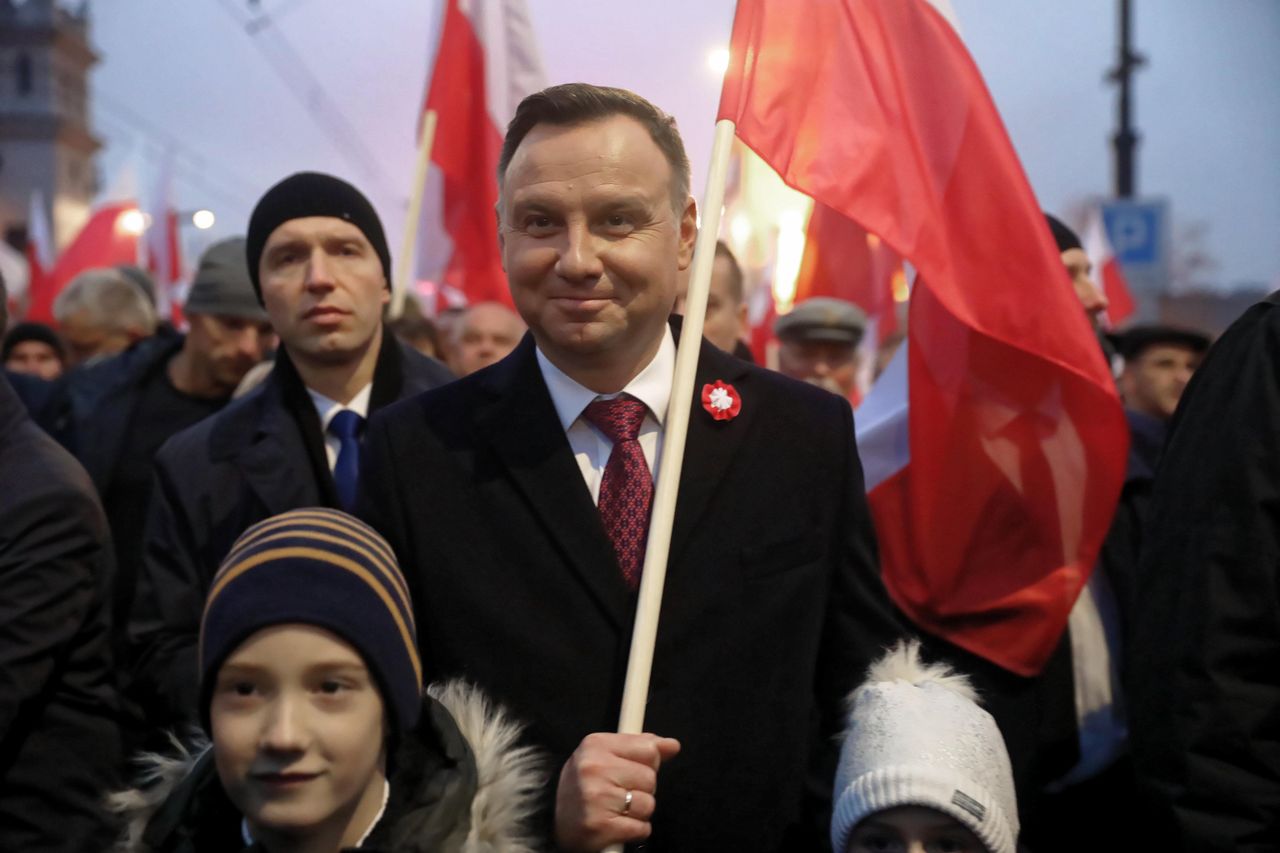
column 651, row 386
column 327, row 408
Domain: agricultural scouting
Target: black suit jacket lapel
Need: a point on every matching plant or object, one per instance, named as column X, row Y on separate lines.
column 710, row 445
column 520, row 422
column 275, row 463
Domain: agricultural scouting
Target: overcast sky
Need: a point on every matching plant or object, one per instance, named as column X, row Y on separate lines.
column 241, row 107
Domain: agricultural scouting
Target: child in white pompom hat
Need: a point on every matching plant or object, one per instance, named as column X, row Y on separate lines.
column 923, row 767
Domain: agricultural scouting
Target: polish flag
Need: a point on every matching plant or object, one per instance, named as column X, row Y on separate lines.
column 843, row 261
column 487, row 61
column 160, row 245
column 1005, row 453
column 1097, row 245
column 39, row 253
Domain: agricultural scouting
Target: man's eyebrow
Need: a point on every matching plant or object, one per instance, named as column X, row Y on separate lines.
column 286, row 244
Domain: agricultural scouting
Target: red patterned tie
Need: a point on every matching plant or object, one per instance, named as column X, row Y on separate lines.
column 626, row 491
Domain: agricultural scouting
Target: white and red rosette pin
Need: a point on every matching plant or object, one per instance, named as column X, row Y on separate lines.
column 721, row 400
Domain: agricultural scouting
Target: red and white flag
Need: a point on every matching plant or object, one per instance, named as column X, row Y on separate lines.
column 487, row 61
column 162, row 254
column 39, row 255
column 842, row 260
column 990, row 509
column 1097, row 245
column 110, row 237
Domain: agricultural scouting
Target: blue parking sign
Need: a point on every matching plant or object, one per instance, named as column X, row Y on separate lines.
column 1137, row 232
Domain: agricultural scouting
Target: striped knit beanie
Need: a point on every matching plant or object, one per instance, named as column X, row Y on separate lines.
column 316, row 567
column 917, row 737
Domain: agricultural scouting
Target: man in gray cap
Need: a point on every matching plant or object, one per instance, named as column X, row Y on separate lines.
column 819, row 343
column 125, row 407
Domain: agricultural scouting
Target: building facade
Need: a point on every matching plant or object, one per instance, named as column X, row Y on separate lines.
column 45, row 140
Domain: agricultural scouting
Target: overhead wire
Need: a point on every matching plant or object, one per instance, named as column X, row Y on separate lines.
column 310, row 94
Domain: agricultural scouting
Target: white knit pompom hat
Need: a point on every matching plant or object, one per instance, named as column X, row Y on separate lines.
column 918, row 738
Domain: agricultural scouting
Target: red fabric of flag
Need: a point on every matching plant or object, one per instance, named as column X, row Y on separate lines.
column 1017, row 439
column 843, row 261
column 104, row 241
column 466, row 149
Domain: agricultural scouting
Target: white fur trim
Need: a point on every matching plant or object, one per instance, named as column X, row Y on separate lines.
column 510, row 776
column 159, row 775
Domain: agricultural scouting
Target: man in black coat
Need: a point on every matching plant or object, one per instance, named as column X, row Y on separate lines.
column 500, row 494
column 59, row 745
column 1204, row 656
column 122, row 409
column 319, row 261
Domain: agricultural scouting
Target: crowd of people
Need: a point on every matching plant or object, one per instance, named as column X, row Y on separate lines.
column 350, row 582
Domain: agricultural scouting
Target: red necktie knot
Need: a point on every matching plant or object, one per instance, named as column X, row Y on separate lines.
column 619, row 418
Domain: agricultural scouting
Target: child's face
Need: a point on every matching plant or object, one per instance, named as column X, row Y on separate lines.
column 298, row 734
column 912, row 829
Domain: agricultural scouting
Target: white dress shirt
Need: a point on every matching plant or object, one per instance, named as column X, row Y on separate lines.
column 327, row 408
column 591, row 447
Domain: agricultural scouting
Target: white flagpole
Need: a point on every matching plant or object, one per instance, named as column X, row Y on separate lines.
column 408, row 259
column 635, row 694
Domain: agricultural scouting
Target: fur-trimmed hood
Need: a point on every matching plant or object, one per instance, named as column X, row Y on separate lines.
column 489, row 793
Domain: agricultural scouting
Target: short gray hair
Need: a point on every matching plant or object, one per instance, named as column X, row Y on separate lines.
column 110, row 299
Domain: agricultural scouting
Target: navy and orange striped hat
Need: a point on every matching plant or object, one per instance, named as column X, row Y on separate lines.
column 317, row 567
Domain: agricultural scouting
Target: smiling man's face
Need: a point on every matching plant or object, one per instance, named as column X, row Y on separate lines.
column 591, row 242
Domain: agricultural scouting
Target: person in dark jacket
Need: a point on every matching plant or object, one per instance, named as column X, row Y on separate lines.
column 318, row 258
column 321, row 736
column 59, row 745
column 122, row 409
column 517, row 499
column 1204, row 655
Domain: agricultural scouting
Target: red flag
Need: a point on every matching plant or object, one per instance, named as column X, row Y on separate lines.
column 1097, row 246
column 109, row 238
column 842, row 260
column 1017, row 441
column 486, row 61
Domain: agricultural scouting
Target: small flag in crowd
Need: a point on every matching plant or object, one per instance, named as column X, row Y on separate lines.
column 487, row 61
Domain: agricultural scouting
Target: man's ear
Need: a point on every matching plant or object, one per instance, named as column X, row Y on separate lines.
column 688, row 233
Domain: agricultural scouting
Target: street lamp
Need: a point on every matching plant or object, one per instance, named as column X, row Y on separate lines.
column 203, row 219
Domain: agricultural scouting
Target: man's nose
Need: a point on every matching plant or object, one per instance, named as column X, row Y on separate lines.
column 250, row 343
column 1091, row 296
column 580, row 257
column 319, row 269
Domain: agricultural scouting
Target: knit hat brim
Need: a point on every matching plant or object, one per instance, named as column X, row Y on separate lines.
column 922, row 785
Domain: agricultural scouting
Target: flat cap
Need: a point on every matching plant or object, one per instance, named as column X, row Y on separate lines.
column 1132, row 341
column 822, row 318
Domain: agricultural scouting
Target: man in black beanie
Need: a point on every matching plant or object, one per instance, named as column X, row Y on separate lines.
column 318, row 260
column 1079, row 268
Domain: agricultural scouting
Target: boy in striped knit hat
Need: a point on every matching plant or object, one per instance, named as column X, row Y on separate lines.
column 321, row 737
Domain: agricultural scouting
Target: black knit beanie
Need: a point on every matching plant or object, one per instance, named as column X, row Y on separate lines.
column 316, row 567
column 39, row 332
column 312, row 194
column 1062, row 235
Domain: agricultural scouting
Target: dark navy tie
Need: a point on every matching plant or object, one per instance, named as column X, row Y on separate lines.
column 345, row 426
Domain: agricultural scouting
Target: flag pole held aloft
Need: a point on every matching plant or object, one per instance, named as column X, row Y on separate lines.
column 408, row 261
column 635, row 693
